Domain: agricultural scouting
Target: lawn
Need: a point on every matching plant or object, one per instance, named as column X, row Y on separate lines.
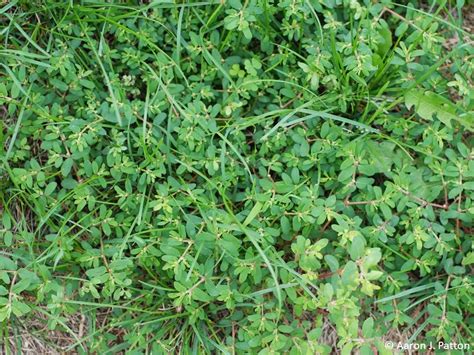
column 236, row 176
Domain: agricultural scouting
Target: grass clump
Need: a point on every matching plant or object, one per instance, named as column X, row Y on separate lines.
column 235, row 177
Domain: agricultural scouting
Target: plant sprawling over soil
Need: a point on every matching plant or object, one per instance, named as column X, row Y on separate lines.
column 258, row 176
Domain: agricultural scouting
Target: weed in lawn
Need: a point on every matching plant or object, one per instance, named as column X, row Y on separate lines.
column 250, row 176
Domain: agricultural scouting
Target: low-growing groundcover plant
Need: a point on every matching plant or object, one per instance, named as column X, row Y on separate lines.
column 255, row 176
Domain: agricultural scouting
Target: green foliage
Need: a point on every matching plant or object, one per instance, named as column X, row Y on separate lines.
column 428, row 103
column 237, row 176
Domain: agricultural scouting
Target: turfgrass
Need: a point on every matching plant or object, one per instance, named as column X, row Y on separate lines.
column 235, row 177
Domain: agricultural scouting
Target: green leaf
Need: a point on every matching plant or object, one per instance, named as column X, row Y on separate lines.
column 7, row 263
column 427, row 104
column 386, row 42
column 19, row 308
column 66, row 167
column 50, row 188
column 3, row 291
column 253, row 213
column 332, row 262
column 98, row 271
column 200, row 295
column 469, row 185
column 368, row 328
column 357, row 247
column 468, row 259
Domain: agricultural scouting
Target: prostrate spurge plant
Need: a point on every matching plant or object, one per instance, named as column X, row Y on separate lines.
column 261, row 176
